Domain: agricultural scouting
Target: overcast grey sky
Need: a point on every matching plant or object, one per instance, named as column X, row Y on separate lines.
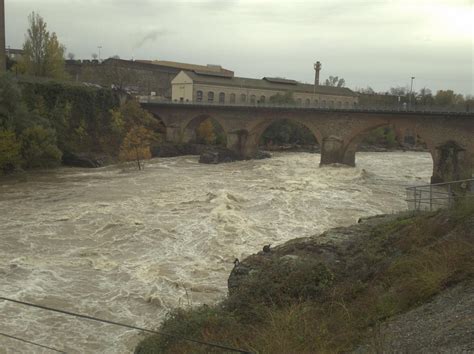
column 377, row 43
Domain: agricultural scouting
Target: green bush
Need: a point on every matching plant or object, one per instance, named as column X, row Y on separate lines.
column 39, row 148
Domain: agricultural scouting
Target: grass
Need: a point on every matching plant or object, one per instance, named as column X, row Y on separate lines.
column 306, row 308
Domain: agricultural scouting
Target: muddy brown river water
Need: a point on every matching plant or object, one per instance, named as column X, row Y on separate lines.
column 128, row 246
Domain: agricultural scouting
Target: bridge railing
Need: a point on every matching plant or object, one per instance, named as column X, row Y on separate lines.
column 436, row 196
column 357, row 107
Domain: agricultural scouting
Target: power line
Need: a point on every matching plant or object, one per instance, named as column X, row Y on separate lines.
column 124, row 325
column 32, row 343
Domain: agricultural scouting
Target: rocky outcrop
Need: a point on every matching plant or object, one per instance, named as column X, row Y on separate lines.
column 338, row 249
column 218, row 155
column 84, row 160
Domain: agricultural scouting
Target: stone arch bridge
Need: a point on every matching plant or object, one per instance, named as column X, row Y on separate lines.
column 449, row 136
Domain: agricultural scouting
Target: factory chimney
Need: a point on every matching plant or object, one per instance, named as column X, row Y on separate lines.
column 317, row 69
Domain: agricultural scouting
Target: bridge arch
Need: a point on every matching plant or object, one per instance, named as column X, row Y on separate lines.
column 190, row 132
column 255, row 134
column 450, row 158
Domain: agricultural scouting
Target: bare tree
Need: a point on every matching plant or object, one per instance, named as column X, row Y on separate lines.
column 335, row 81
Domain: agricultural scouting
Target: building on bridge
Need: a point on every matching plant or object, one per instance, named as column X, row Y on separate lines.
column 196, row 86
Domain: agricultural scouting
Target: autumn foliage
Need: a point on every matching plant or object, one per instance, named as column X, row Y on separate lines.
column 136, row 146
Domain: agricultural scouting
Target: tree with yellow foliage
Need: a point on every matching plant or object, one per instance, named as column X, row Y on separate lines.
column 205, row 132
column 43, row 54
column 136, row 146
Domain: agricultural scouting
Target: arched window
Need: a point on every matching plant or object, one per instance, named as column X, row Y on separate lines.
column 331, row 104
column 298, row 101
column 222, row 97
column 316, row 103
column 199, row 96
column 210, row 96
column 355, row 104
column 339, row 104
column 252, row 99
column 346, row 104
column 243, row 98
column 232, row 98
column 262, row 99
column 323, row 103
column 307, row 102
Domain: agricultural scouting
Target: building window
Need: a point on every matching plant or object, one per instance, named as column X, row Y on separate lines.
column 316, row 103
column 262, row 99
column 331, row 104
column 232, row 98
column 222, row 97
column 323, row 103
column 243, row 98
column 199, row 96
column 339, row 104
column 252, row 99
column 346, row 104
column 307, row 102
column 210, row 96
column 298, row 101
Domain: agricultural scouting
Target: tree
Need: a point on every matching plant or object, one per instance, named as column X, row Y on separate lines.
column 94, row 56
column 425, row 96
column 39, row 148
column 335, row 81
column 398, row 91
column 136, row 146
column 286, row 98
column 43, row 54
column 205, row 132
column 448, row 98
column 71, row 56
column 10, row 148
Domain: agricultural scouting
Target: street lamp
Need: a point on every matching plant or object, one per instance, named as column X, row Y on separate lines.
column 100, row 47
column 411, row 91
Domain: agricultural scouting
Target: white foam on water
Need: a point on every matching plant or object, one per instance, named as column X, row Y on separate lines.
column 129, row 246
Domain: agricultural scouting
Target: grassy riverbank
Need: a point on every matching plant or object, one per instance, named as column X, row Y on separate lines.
column 329, row 293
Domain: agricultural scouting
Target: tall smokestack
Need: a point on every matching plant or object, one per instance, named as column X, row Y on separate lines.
column 317, row 69
column 2, row 37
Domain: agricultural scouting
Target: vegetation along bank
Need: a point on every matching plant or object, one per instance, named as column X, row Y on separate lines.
column 399, row 283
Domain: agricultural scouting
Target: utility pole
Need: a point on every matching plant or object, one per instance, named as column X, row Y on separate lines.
column 100, row 47
column 411, row 92
column 3, row 56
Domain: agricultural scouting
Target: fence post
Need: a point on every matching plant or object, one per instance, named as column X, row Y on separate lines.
column 431, row 197
column 449, row 195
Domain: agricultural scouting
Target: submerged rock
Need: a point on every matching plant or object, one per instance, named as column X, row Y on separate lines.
column 218, row 155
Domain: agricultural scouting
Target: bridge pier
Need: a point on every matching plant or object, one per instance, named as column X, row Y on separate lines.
column 332, row 151
column 451, row 162
column 242, row 143
column 173, row 134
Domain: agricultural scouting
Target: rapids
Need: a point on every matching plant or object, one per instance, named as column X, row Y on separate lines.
column 128, row 246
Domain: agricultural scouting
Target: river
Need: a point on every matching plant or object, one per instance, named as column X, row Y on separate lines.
column 129, row 245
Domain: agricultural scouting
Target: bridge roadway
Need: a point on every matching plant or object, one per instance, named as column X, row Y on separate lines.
column 449, row 136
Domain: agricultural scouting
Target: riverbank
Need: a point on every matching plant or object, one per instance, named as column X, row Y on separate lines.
column 355, row 288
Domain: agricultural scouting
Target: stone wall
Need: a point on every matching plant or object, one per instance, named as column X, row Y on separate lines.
column 140, row 78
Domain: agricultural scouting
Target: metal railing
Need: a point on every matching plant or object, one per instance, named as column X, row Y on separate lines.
column 458, row 110
column 439, row 195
